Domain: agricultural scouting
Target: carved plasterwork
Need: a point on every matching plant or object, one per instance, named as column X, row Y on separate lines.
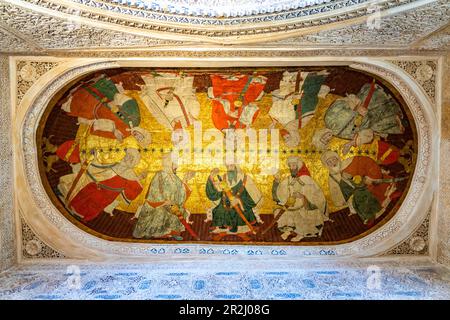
column 7, row 235
column 95, row 24
column 443, row 225
column 33, row 247
column 393, row 31
column 443, row 249
column 417, row 243
column 27, row 74
column 410, row 215
column 237, row 53
column 423, row 71
column 287, row 20
column 438, row 40
column 56, row 33
column 12, row 43
column 217, row 8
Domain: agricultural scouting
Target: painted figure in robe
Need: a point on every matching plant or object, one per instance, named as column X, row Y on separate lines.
column 305, row 204
column 360, row 117
column 156, row 218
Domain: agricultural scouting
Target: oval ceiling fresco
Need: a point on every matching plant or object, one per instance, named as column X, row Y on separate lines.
column 277, row 155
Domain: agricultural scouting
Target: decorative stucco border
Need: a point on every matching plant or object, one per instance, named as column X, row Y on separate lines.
column 219, row 30
column 62, row 235
column 7, row 231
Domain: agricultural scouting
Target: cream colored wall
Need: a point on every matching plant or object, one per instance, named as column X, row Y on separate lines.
column 7, row 234
column 443, row 226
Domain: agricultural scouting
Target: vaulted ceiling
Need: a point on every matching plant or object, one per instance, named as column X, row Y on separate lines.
column 62, row 26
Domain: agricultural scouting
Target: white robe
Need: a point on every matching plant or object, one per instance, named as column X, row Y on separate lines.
column 282, row 109
column 172, row 112
column 298, row 218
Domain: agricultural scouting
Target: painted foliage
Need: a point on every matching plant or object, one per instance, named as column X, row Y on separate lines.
column 264, row 155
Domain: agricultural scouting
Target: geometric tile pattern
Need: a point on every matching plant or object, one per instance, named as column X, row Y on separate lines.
column 198, row 282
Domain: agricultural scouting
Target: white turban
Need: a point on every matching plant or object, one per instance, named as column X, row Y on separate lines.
column 294, row 136
column 328, row 155
column 352, row 100
column 317, row 138
column 295, row 160
column 169, row 160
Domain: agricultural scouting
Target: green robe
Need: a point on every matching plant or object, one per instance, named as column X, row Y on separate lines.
column 382, row 115
column 223, row 214
column 128, row 111
column 364, row 202
column 310, row 89
column 158, row 222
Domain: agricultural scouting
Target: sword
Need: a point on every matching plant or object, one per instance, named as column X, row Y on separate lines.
column 174, row 209
column 283, row 209
column 77, row 178
column 389, row 180
column 238, row 209
column 277, row 217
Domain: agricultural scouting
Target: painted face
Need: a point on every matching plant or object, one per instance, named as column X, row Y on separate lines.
column 293, row 168
column 231, row 172
column 326, row 138
column 332, row 162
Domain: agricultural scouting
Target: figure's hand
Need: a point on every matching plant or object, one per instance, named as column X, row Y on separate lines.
column 301, row 197
column 347, row 147
column 361, row 110
column 143, row 175
column 298, row 195
column 368, row 180
column 114, row 107
column 347, row 176
column 118, row 135
column 235, row 202
column 214, row 172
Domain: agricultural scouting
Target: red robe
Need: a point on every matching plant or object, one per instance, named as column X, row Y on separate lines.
column 228, row 89
column 365, row 166
column 303, row 171
column 85, row 105
column 68, row 152
column 387, row 153
column 93, row 198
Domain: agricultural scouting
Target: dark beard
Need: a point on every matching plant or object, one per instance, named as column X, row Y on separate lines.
column 294, row 173
column 232, row 175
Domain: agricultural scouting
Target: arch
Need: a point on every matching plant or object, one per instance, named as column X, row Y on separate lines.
column 43, row 217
